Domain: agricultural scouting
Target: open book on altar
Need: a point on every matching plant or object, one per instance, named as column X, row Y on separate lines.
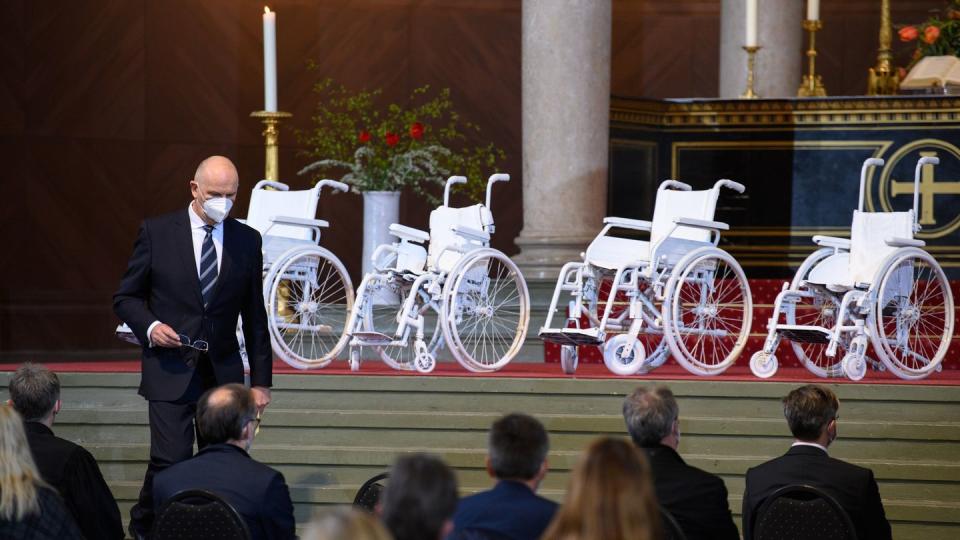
column 941, row 71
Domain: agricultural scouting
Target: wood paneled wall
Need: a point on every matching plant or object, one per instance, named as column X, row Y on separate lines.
column 107, row 106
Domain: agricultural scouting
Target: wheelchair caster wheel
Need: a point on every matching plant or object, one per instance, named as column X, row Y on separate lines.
column 424, row 363
column 569, row 359
column 763, row 365
column 354, row 359
column 621, row 360
column 854, row 367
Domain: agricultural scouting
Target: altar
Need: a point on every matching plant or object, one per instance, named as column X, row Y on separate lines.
column 800, row 160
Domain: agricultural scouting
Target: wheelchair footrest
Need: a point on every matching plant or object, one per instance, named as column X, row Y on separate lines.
column 805, row 334
column 371, row 338
column 572, row 336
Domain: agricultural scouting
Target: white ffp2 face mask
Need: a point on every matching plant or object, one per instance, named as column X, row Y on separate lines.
column 217, row 208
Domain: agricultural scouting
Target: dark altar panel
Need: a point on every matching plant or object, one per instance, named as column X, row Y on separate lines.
column 800, row 161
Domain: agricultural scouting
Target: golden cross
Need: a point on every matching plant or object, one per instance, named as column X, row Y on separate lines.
column 928, row 190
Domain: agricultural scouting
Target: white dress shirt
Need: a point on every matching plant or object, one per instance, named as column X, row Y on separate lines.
column 813, row 444
column 198, row 234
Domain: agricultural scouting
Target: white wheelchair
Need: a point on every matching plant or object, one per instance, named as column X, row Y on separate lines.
column 461, row 293
column 878, row 285
column 307, row 292
column 704, row 300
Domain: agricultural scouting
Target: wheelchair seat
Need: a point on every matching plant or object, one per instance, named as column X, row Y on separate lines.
column 446, row 245
column 266, row 204
column 611, row 252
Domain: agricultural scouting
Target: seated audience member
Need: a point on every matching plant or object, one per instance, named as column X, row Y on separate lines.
column 227, row 420
column 517, row 447
column 68, row 467
column 420, row 498
column 610, row 497
column 694, row 497
column 29, row 508
column 345, row 523
column 811, row 413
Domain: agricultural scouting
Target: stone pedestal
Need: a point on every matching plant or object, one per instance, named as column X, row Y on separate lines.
column 779, row 65
column 566, row 111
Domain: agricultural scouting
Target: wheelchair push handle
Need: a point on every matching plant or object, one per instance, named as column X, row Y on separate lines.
column 869, row 162
column 333, row 184
column 279, row 186
column 674, row 184
column 730, row 184
column 450, row 182
column 494, row 178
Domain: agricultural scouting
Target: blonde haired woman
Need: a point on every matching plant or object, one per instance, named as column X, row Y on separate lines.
column 610, row 497
column 29, row 508
column 345, row 523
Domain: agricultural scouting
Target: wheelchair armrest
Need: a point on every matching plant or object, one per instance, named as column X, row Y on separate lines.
column 636, row 224
column 831, row 241
column 299, row 222
column 701, row 224
column 904, row 242
column 471, row 234
column 409, row 233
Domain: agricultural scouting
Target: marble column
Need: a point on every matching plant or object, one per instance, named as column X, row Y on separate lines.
column 566, row 117
column 780, row 61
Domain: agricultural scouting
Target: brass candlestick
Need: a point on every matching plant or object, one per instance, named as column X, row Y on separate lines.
column 883, row 80
column 271, row 136
column 751, row 53
column 812, row 85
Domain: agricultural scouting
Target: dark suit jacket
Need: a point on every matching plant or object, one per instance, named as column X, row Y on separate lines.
column 510, row 509
column 75, row 474
column 852, row 486
column 161, row 284
column 256, row 491
column 695, row 498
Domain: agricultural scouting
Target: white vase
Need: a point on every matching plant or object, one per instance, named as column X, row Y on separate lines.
column 380, row 210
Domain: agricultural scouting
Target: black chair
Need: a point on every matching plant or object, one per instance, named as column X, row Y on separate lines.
column 801, row 512
column 368, row 496
column 197, row 514
column 671, row 529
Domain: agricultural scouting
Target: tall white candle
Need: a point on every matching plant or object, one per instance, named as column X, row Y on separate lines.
column 751, row 23
column 813, row 10
column 269, row 60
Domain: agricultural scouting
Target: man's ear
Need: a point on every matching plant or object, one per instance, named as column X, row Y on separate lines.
column 57, row 406
column 489, row 465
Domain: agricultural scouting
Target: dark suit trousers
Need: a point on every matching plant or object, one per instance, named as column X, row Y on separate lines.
column 172, row 433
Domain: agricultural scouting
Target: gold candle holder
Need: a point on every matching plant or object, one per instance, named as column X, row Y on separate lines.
column 812, row 85
column 883, row 80
column 271, row 136
column 751, row 53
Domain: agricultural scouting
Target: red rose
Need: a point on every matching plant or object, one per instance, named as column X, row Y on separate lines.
column 416, row 130
column 908, row 33
column 364, row 136
column 930, row 34
column 391, row 138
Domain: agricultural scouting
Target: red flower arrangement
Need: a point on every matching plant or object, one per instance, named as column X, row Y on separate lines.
column 937, row 36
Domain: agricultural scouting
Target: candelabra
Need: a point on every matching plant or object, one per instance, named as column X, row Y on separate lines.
column 883, row 79
column 751, row 53
column 812, row 85
column 271, row 136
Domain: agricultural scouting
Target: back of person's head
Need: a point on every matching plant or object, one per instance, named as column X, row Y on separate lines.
column 650, row 413
column 345, row 523
column 420, row 498
column 223, row 412
column 34, row 391
column 517, row 447
column 809, row 409
column 19, row 478
column 610, row 496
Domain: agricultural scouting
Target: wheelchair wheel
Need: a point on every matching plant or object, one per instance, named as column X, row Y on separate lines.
column 821, row 310
column 650, row 337
column 485, row 310
column 380, row 313
column 912, row 317
column 707, row 311
column 309, row 302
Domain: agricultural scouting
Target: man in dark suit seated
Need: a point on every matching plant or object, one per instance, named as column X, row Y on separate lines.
column 35, row 394
column 227, row 419
column 811, row 413
column 517, row 458
column 695, row 498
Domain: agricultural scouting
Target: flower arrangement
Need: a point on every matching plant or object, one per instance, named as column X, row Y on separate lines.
column 417, row 145
column 937, row 36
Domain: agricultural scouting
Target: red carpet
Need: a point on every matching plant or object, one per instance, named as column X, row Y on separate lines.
column 669, row 371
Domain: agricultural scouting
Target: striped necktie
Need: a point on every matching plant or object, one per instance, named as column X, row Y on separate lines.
column 208, row 265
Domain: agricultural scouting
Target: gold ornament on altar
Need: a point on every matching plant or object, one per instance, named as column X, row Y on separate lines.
column 812, row 85
column 271, row 137
column 883, row 80
column 749, row 93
